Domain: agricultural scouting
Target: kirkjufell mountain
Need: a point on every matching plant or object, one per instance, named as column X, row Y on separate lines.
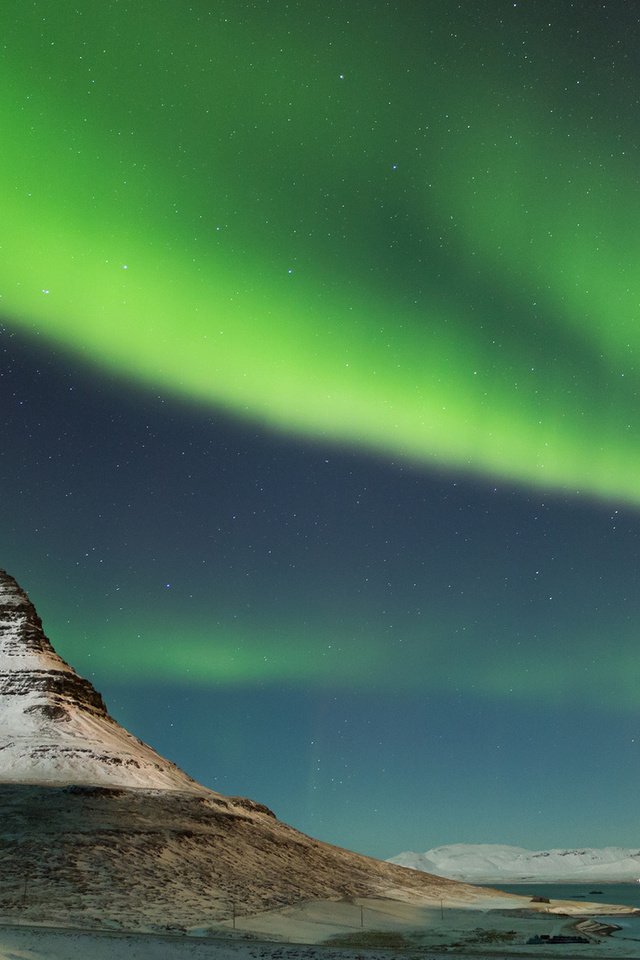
column 96, row 826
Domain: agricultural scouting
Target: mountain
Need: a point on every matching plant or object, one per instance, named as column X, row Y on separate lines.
column 494, row 863
column 97, row 828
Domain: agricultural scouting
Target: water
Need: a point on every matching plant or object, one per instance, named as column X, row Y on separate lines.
column 625, row 893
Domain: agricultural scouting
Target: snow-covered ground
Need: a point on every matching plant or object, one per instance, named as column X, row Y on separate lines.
column 495, row 863
column 24, row 944
column 369, row 928
column 452, row 921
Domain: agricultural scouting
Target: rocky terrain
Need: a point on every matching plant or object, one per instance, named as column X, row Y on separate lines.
column 139, row 858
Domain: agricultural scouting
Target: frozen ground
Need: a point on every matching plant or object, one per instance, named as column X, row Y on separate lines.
column 368, row 928
column 31, row 944
column 451, row 922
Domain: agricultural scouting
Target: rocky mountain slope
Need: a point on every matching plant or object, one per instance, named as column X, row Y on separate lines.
column 140, row 858
column 495, row 863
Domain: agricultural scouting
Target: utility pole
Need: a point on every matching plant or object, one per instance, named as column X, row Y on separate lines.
column 361, row 917
column 442, row 909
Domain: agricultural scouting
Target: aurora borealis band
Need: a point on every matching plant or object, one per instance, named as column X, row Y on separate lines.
column 320, row 397
column 411, row 233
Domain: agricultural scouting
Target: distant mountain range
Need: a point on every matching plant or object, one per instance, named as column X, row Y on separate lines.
column 495, row 863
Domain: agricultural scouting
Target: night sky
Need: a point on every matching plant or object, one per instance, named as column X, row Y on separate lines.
column 319, row 398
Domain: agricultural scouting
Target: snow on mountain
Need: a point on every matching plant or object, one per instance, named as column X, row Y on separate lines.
column 496, row 863
column 54, row 726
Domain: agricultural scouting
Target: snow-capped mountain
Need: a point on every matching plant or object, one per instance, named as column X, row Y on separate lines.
column 54, row 726
column 495, row 863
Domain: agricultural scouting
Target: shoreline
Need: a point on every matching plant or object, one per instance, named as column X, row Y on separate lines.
column 45, row 942
column 490, row 927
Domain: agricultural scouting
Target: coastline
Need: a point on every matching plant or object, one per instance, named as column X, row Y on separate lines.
column 492, row 927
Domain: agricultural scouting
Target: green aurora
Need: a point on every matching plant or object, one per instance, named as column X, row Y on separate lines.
column 295, row 656
column 381, row 241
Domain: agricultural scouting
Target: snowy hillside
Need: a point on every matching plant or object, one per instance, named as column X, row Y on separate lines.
column 494, row 863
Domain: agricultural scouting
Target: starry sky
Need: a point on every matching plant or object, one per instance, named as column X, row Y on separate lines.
column 319, row 398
